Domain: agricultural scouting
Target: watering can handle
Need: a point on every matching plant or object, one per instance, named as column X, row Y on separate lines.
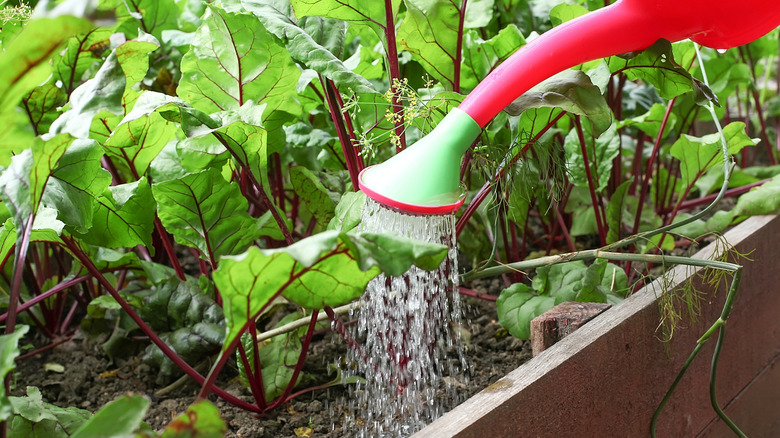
column 613, row 30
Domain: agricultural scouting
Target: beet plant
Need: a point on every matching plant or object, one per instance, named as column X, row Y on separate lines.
column 180, row 170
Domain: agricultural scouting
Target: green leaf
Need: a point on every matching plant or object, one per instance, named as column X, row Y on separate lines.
column 601, row 150
column 24, row 63
column 327, row 269
column 760, row 200
column 478, row 13
column 349, row 211
column 481, row 57
column 103, row 92
column 35, row 418
column 571, row 91
column 136, row 142
column 615, row 212
column 233, row 60
column 517, row 306
column 314, row 195
column 42, row 106
column 430, row 33
column 201, row 420
column 118, row 419
column 81, row 53
column 206, row 212
column 133, row 56
column 650, row 122
column 307, row 41
column 699, row 154
column 9, row 351
column 355, row 11
column 564, row 12
column 150, row 16
column 657, row 67
column 76, row 184
column 124, row 217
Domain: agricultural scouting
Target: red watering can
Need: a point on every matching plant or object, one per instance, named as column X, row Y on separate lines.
column 425, row 178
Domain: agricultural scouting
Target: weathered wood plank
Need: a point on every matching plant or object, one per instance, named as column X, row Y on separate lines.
column 607, row 378
column 561, row 321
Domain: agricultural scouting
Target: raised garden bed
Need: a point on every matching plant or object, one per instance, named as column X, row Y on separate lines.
column 608, row 377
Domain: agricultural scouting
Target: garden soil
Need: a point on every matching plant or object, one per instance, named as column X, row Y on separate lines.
column 91, row 379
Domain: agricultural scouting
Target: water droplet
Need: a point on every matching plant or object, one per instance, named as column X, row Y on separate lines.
column 722, row 51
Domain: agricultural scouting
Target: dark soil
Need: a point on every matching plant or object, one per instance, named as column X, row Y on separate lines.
column 91, row 379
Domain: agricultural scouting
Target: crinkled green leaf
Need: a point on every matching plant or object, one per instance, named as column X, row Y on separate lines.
column 206, row 212
column 760, row 200
column 699, row 154
column 24, row 63
column 200, row 420
column 9, row 351
column 601, row 150
column 233, row 60
column 309, row 41
column 554, row 284
column 430, row 33
column 118, row 419
column 571, row 91
column 124, row 217
column 192, row 343
column 517, row 306
column 34, row 418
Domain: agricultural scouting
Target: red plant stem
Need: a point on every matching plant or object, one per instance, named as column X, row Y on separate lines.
column 564, row 229
column 16, row 285
column 166, row 241
column 474, row 294
column 257, row 391
column 762, row 121
column 278, row 183
column 351, row 132
column 341, row 131
column 258, row 374
column 55, row 290
column 649, row 168
column 591, row 184
column 395, row 73
column 301, row 360
column 178, row 361
column 274, row 212
column 69, row 317
column 637, row 164
column 459, row 48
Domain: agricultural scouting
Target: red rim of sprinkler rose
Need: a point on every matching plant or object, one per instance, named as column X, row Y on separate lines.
column 404, row 207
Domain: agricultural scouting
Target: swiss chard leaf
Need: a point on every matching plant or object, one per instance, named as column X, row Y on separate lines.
column 35, row 418
column 313, row 194
column 120, row 418
column 430, row 33
column 206, row 212
column 699, row 154
column 601, row 150
column 309, row 41
column 519, row 304
column 25, row 62
column 327, row 269
column 233, row 60
column 124, row 217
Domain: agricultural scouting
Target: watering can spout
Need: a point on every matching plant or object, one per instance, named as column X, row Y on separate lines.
column 425, row 178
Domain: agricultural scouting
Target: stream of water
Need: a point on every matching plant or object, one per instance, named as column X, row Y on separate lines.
column 407, row 329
